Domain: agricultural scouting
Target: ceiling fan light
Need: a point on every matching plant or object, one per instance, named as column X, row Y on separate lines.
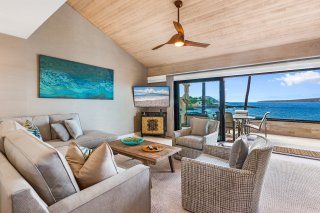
column 179, row 43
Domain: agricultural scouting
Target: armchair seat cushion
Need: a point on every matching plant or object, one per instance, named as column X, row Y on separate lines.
column 213, row 160
column 191, row 141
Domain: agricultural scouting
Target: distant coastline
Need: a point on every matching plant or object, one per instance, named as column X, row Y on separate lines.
column 295, row 100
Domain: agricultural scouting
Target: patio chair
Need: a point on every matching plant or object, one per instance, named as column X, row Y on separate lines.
column 230, row 124
column 192, row 139
column 210, row 185
column 263, row 123
column 239, row 122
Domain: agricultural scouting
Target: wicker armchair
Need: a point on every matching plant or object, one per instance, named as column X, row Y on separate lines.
column 210, row 185
column 192, row 145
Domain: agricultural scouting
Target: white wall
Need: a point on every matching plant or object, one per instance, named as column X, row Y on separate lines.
column 68, row 35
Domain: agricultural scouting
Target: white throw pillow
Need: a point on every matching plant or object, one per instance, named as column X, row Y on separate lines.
column 73, row 128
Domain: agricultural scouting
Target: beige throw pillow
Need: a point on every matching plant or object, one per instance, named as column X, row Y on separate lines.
column 199, row 126
column 239, row 153
column 99, row 166
column 73, row 128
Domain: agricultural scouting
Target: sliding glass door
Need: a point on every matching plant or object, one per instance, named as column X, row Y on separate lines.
column 198, row 98
column 288, row 96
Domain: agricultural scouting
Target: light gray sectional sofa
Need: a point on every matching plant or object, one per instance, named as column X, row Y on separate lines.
column 90, row 139
column 128, row 191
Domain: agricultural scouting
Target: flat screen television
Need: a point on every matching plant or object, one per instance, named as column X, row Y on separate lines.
column 155, row 96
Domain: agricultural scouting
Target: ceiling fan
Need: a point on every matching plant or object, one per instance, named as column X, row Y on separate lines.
column 178, row 39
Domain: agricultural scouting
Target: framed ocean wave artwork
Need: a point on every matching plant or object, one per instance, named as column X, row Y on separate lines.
column 61, row 78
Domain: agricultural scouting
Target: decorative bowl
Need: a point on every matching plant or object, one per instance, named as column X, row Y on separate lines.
column 132, row 141
column 153, row 148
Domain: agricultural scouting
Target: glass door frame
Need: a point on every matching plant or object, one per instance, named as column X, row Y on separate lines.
column 222, row 102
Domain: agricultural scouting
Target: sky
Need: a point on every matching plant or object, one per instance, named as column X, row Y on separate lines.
column 278, row 86
column 151, row 90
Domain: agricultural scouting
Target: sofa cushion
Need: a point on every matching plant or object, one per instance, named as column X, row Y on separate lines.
column 88, row 171
column 74, row 128
column 42, row 122
column 41, row 165
column 93, row 138
column 32, row 128
column 21, row 120
column 90, row 139
column 199, row 126
column 6, row 127
column 60, row 118
column 239, row 153
column 61, row 131
column 213, row 160
column 191, row 141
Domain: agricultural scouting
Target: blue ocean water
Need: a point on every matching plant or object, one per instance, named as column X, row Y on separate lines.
column 309, row 111
column 67, row 79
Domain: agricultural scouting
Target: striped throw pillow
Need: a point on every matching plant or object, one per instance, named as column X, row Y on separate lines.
column 32, row 128
column 85, row 151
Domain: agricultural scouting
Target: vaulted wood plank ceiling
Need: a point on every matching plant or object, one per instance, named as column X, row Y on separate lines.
column 230, row 26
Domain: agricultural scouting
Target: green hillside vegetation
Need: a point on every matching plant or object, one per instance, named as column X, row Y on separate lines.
column 195, row 102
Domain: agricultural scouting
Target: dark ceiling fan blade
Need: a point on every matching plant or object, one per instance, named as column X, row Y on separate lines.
column 178, row 27
column 195, row 44
column 172, row 40
column 157, row 47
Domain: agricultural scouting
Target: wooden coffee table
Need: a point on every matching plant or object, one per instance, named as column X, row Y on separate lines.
column 147, row 158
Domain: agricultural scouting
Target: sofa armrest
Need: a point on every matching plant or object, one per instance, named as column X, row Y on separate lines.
column 211, row 139
column 180, row 133
column 217, row 151
column 16, row 194
column 128, row 191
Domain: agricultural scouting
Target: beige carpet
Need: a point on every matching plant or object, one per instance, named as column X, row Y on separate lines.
column 292, row 184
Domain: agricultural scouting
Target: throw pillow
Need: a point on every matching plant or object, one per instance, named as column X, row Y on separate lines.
column 239, row 153
column 99, row 166
column 32, row 128
column 6, row 127
column 85, row 151
column 199, row 126
column 73, row 128
column 41, row 165
column 61, row 131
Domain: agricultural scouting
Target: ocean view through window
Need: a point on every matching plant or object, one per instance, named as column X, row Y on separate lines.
column 293, row 95
column 290, row 95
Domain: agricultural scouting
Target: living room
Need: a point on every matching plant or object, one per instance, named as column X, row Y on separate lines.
column 159, row 106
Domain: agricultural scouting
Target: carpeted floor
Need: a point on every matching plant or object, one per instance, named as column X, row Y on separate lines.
column 291, row 185
column 297, row 152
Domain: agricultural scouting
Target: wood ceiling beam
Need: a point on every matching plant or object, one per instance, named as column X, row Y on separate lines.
column 292, row 51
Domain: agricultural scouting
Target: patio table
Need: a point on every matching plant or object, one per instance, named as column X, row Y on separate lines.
column 240, row 120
